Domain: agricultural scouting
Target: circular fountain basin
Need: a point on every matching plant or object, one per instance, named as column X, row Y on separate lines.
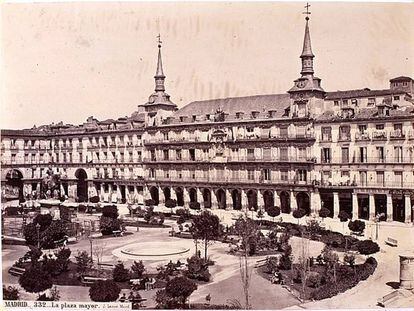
column 153, row 250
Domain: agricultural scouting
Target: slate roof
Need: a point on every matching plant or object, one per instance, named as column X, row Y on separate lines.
column 261, row 103
column 361, row 93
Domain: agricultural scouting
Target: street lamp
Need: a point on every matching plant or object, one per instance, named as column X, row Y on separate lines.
column 38, row 235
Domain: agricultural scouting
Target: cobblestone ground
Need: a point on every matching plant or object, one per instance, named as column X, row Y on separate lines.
column 226, row 276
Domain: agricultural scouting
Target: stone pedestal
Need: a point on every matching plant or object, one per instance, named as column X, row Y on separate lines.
column 407, row 271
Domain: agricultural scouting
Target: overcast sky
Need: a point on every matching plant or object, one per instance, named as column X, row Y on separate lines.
column 68, row 61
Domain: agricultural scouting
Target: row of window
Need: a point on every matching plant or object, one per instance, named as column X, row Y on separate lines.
column 362, row 155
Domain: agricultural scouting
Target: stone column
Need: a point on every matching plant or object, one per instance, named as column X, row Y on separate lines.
column 335, row 205
column 161, row 196
column 186, row 197
column 101, row 190
column 244, row 199
column 389, row 207
column 371, row 208
column 355, row 207
column 118, row 193
column 147, row 194
column 276, row 199
column 200, row 198
column 71, row 190
column 229, row 200
column 214, row 203
column 173, row 194
column 260, row 200
column 408, row 210
column 293, row 203
column 315, row 203
column 127, row 195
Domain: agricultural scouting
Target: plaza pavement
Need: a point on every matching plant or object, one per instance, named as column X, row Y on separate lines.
column 226, row 282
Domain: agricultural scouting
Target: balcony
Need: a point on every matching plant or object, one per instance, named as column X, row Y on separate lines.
column 344, row 137
column 326, row 138
column 362, row 136
column 379, row 135
column 368, row 160
column 397, row 134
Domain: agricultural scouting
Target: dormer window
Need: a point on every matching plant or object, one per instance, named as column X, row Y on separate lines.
column 194, row 118
column 371, row 101
column 255, row 114
column 354, row 102
column 336, row 102
column 345, row 102
column 182, row 119
column 239, row 115
column 396, row 97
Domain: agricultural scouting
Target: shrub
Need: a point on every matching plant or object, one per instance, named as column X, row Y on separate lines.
column 49, row 232
column 273, row 211
column 94, row 199
column 138, row 269
column 285, row 262
column 104, row 291
column 35, row 280
column 120, row 273
column 175, row 294
column 357, row 226
column 161, row 219
column 349, row 259
column 324, row 212
column 54, row 295
column 13, row 211
column 367, row 247
column 299, row 213
column 197, row 269
column 182, row 212
column 82, row 208
column 272, row 264
column 108, row 225
column 149, row 214
column 149, row 202
column 194, row 205
column 343, row 216
column 62, row 259
column 170, row 203
column 334, row 239
column 10, row 293
column 110, row 211
column 83, row 262
column 314, row 279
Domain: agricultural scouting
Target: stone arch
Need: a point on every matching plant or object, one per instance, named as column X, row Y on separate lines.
column 81, row 185
column 303, row 202
column 155, row 195
column 236, row 198
column 252, row 199
column 192, row 193
column 180, row 196
column 221, row 198
column 207, row 198
column 285, row 202
column 268, row 198
column 14, row 185
column 167, row 193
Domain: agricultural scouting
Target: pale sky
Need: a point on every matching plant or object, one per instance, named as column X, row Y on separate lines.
column 67, row 61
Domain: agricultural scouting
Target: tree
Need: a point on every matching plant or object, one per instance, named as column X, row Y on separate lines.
column 197, row 268
column 110, row 211
column 299, row 213
column 273, row 211
column 120, row 273
column 367, row 247
column 83, row 262
column 285, row 261
column 62, row 259
column 10, row 293
column 206, row 226
column 108, row 225
column 356, row 226
column 98, row 250
column 260, row 215
column 324, row 212
column 331, row 260
column 35, row 280
column 138, row 269
column 170, row 203
column 149, row 214
column 343, row 217
column 176, row 293
column 49, row 231
column 104, row 291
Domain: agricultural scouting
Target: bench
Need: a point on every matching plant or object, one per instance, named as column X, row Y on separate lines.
column 107, row 266
column 260, row 263
column 16, row 271
column 117, row 233
column 388, row 298
column 391, row 242
column 88, row 280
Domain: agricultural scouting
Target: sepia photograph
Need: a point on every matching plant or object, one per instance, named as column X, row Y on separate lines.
column 207, row 155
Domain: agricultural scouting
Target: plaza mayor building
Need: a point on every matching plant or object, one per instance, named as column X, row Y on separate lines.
column 307, row 148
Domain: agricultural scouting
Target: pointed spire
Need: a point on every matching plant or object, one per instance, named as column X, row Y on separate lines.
column 159, row 74
column 307, row 48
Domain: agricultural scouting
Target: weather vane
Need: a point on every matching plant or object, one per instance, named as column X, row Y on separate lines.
column 307, row 6
column 159, row 40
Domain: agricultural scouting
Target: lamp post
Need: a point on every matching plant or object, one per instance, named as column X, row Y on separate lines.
column 38, row 235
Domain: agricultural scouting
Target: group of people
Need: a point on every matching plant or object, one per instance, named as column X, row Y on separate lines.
column 277, row 278
column 134, row 298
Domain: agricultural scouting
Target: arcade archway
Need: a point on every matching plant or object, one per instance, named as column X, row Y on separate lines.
column 285, row 202
column 268, row 199
column 81, row 185
column 13, row 189
column 252, row 199
column 303, row 202
column 236, row 198
column 155, row 195
column 221, row 198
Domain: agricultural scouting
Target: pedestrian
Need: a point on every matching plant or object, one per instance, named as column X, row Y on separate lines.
column 123, row 298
